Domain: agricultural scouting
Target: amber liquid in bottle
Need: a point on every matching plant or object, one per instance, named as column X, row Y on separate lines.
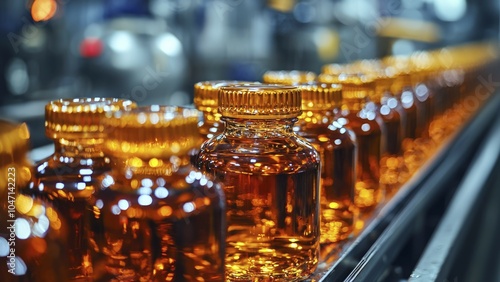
column 155, row 217
column 31, row 228
column 271, row 179
column 406, row 98
column 367, row 129
column 67, row 178
column 393, row 171
column 271, row 201
column 337, row 148
column 67, row 182
column 158, row 227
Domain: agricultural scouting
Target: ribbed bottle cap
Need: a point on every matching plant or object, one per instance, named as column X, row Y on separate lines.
column 354, row 86
column 81, row 118
column 206, row 93
column 260, row 101
column 292, row 77
column 152, row 132
column 14, row 142
column 321, row 96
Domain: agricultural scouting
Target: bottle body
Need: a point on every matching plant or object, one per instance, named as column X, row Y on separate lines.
column 367, row 127
column 31, row 234
column 338, row 152
column 67, row 181
column 393, row 171
column 166, row 225
column 407, row 100
column 271, row 181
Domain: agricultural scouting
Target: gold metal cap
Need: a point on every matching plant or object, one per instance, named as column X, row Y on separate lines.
column 354, row 86
column 206, row 93
column 152, row 132
column 292, row 77
column 14, row 142
column 321, row 96
column 260, row 101
column 81, row 118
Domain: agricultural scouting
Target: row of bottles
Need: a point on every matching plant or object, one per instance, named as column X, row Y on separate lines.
column 285, row 169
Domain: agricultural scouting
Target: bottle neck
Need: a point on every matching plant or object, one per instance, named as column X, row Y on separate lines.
column 258, row 128
column 84, row 148
column 354, row 104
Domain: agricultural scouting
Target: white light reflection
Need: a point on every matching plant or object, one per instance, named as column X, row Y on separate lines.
column 188, row 207
column 161, row 192
column 385, row 110
column 144, row 191
column 146, row 182
column 169, row 44
column 4, row 247
column 145, row 200
column 99, row 204
column 120, row 41
column 81, row 185
column 23, row 229
column 41, row 227
column 115, row 210
column 123, row 204
column 20, row 266
column 85, row 171
column 450, row 10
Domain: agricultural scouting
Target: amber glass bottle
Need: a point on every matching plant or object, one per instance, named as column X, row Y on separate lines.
column 402, row 88
column 368, row 127
column 271, row 179
column 337, row 148
column 32, row 238
column 156, row 217
column 68, row 177
column 292, row 77
column 419, row 75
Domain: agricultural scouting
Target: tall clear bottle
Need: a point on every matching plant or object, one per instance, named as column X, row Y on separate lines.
column 271, row 179
column 67, row 178
column 32, row 238
column 155, row 216
column 360, row 116
column 336, row 145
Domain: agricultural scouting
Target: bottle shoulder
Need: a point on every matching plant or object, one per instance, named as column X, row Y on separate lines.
column 174, row 195
column 362, row 123
column 334, row 133
column 78, row 176
column 285, row 154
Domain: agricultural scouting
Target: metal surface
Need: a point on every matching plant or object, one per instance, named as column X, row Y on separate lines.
column 443, row 248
